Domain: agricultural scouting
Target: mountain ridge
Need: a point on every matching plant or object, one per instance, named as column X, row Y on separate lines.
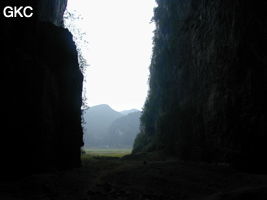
column 101, row 122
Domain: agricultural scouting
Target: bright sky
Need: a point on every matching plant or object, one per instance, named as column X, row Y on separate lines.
column 119, row 49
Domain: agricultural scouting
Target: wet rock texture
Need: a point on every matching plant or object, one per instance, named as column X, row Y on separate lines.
column 208, row 86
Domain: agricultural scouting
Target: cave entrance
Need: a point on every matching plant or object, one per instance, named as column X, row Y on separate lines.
column 114, row 43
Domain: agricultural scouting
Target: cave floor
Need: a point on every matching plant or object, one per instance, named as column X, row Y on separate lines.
column 113, row 178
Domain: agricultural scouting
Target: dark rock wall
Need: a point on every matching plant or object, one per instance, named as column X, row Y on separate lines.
column 52, row 11
column 41, row 96
column 207, row 98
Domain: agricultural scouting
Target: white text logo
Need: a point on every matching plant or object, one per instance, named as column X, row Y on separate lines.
column 18, row 11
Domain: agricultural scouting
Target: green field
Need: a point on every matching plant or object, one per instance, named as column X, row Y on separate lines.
column 107, row 152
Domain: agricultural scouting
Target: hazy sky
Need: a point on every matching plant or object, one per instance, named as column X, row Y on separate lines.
column 119, row 35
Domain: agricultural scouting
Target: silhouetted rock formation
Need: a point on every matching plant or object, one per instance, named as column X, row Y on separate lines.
column 42, row 89
column 207, row 98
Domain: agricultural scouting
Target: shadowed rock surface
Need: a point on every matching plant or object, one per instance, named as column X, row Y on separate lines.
column 207, row 98
column 207, row 102
column 42, row 87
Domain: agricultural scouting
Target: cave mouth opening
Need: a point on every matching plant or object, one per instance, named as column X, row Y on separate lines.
column 114, row 44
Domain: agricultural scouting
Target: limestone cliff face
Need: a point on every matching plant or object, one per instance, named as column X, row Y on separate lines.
column 207, row 97
column 41, row 95
column 52, row 11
